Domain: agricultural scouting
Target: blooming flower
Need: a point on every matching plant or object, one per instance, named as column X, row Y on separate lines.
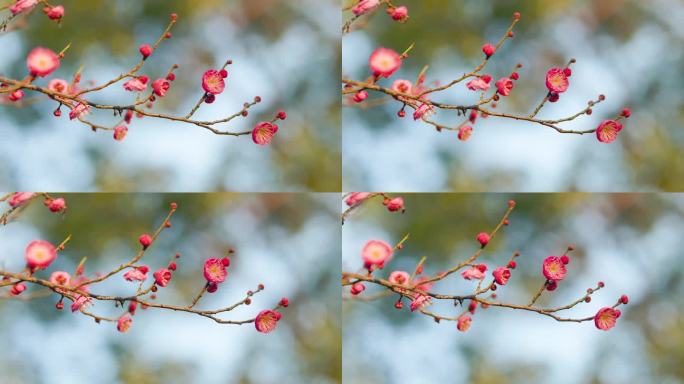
column 608, row 130
column 425, row 110
column 136, row 274
column 212, row 82
column 162, row 276
column 40, row 254
column 215, row 270
column 81, row 302
column 136, row 84
column 263, row 133
column 402, row 86
column 58, row 85
column 60, row 277
column 161, row 87
column 504, row 86
column 474, row 273
column 419, row 302
column 479, row 84
column 501, row 275
column 364, row 6
column 120, row 132
column 266, row 321
column 124, row 323
column 42, row 61
column 557, row 80
column 463, row 323
column 376, row 252
column 606, row 318
column 384, row 62
column 399, row 277
column 553, row 268
column 465, row 132
column 79, row 111
column 356, row 197
column 22, row 5
column 20, row 198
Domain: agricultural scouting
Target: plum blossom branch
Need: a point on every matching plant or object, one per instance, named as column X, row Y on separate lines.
column 417, row 287
column 354, row 200
column 366, row 8
column 417, row 96
column 42, row 62
column 79, row 287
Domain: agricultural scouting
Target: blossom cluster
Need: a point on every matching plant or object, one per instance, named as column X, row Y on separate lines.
column 417, row 287
column 385, row 63
column 78, row 287
column 148, row 89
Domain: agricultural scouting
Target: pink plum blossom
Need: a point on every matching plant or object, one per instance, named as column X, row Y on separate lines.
column 608, row 131
column 553, row 268
column 384, row 62
column 606, row 318
column 215, row 271
column 124, row 323
column 474, row 273
column 136, row 84
column 504, row 86
column 266, row 321
column 161, row 87
column 81, row 302
column 419, row 302
column 120, row 132
column 136, row 274
column 465, row 132
column 399, row 277
column 58, row 85
column 212, row 82
column 463, row 323
column 22, row 5
column 376, row 252
column 402, row 86
column 162, row 276
column 557, row 80
column 501, row 275
column 20, row 198
column 364, row 6
column 263, row 133
column 479, row 84
column 356, row 197
column 40, row 254
column 42, row 61
column 425, row 110
column 79, row 111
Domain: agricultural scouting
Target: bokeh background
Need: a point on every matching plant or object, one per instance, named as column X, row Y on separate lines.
column 629, row 50
column 288, row 242
column 286, row 51
column 632, row 242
